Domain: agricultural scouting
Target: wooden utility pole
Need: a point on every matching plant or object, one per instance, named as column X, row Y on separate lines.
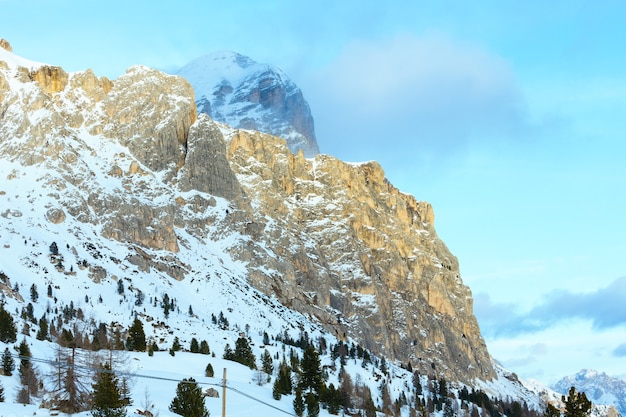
column 224, row 394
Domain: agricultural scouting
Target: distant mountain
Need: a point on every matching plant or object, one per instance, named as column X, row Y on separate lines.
column 599, row 387
column 234, row 89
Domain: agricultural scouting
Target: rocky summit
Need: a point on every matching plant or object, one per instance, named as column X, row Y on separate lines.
column 132, row 164
column 234, row 89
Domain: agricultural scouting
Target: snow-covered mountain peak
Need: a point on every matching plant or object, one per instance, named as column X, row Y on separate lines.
column 234, row 89
column 224, row 67
column 599, row 387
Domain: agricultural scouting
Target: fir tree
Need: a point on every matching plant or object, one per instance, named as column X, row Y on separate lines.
column 298, row 403
column 34, row 295
column 194, row 347
column 8, row 332
column 311, row 374
column 176, row 344
column 276, row 394
column 136, row 337
column 189, row 401
column 8, row 364
column 42, row 333
column 243, row 353
column 283, row 380
column 312, row 405
column 333, row 400
column 204, row 348
column 107, row 399
column 267, row 364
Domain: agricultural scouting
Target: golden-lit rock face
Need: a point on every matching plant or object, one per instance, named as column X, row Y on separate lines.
column 333, row 240
column 4, row 44
column 358, row 254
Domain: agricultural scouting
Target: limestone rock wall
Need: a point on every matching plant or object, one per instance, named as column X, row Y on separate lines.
column 359, row 255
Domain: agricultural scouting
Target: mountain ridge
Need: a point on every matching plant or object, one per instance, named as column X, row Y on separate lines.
column 599, row 387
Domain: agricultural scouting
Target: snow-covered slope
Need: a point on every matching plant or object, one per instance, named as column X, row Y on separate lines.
column 233, row 89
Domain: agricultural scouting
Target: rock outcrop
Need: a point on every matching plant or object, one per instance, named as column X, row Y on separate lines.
column 333, row 240
column 4, row 44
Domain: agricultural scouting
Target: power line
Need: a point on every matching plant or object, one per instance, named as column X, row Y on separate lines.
column 66, row 364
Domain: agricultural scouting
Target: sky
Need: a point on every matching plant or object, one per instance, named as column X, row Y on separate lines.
column 508, row 117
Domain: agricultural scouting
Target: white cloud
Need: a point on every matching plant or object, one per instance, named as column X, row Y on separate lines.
column 430, row 93
column 558, row 351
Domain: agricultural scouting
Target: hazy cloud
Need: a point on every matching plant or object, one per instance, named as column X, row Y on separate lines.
column 620, row 351
column 499, row 319
column 429, row 94
column 603, row 307
column 538, row 349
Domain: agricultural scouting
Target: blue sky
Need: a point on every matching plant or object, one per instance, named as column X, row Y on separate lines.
column 507, row 116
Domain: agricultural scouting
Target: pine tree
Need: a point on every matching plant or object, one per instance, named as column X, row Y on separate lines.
column 107, row 399
column 34, row 295
column 276, row 394
column 243, row 353
column 333, row 400
column 189, row 401
column 8, row 332
column 298, row 403
column 283, row 380
column 42, row 333
column 208, row 371
column 194, row 347
column 312, row 405
column 311, row 373
column 1, row 393
column 8, row 364
column 176, row 344
column 136, row 340
column 576, row 404
column 204, row 348
column 267, row 364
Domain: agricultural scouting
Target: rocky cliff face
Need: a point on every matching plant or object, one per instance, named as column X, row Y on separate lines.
column 362, row 257
column 233, row 89
column 130, row 160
